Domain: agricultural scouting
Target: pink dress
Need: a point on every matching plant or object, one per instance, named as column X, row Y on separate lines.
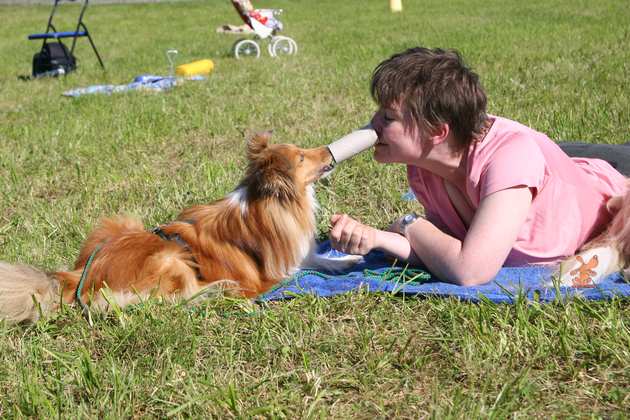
column 570, row 194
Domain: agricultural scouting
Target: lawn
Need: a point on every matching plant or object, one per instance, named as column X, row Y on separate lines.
column 561, row 67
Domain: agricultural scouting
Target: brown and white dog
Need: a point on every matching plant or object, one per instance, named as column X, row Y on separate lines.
column 246, row 242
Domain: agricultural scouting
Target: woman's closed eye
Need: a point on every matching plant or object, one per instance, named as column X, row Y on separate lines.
column 389, row 116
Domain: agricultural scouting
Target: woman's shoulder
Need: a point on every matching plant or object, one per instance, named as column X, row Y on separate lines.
column 506, row 129
column 511, row 154
column 504, row 139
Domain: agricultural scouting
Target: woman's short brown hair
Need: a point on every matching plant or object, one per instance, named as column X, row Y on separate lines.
column 432, row 86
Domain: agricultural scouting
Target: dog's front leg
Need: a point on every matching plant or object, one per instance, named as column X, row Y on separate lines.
column 315, row 261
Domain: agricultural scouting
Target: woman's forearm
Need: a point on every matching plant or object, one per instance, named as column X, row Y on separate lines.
column 439, row 252
column 489, row 240
column 396, row 246
column 426, row 244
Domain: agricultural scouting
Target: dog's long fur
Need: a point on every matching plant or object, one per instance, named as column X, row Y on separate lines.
column 618, row 232
column 246, row 242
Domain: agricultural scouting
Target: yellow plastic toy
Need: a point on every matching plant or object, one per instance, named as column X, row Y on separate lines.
column 395, row 5
column 199, row 67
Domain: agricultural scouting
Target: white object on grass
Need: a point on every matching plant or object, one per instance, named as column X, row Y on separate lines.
column 590, row 267
column 246, row 48
column 281, row 45
column 170, row 54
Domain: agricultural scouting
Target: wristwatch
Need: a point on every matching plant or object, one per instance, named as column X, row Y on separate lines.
column 406, row 220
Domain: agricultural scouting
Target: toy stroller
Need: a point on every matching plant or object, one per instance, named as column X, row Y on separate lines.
column 264, row 24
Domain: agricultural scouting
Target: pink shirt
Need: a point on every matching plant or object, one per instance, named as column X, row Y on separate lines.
column 570, row 194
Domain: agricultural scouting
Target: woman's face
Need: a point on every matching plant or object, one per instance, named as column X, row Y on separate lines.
column 395, row 144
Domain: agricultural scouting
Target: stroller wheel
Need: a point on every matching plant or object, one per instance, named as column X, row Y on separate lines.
column 293, row 45
column 246, row 48
column 282, row 45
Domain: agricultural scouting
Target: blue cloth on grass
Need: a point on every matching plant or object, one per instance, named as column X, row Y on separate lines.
column 377, row 274
column 145, row 82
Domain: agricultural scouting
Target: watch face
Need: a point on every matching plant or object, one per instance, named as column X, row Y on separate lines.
column 406, row 221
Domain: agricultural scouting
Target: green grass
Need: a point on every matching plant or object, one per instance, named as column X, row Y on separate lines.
column 561, row 67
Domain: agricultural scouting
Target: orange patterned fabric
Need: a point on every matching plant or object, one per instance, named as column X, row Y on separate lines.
column 243, row 7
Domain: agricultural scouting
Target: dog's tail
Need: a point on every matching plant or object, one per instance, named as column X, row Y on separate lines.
column 26, row 293
column 619, row 230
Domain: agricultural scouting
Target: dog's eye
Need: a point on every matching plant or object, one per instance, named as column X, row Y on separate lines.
column 301, row 157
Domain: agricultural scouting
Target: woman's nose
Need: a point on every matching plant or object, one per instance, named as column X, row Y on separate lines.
column 376, row 122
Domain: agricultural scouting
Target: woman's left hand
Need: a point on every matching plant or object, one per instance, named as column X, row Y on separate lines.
column 350, row 236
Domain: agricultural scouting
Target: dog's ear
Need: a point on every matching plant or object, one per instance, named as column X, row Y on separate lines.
column 270, row 175
column 614, row 204
column 276, row 183
column 257, row 143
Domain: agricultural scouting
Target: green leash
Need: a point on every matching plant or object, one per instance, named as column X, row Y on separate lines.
column 404, row 275
column 84, row 308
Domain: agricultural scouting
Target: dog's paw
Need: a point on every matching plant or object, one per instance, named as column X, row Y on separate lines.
column 338, row 264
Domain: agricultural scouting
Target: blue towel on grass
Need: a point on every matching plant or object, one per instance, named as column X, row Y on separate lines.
column 146, row 82
column 376, row 273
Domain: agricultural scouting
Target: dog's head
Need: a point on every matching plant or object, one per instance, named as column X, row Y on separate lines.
column 619, row 230
column 282, row 170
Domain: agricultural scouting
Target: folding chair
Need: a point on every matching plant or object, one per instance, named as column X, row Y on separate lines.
column 80, row 31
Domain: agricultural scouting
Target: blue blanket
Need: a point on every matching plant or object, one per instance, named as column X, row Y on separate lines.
column 376, row 273
column 147, row 82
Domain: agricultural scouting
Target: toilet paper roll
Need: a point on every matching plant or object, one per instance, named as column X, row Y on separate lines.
column 353, row 143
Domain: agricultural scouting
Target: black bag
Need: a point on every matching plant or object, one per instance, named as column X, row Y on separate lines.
column 53, row 57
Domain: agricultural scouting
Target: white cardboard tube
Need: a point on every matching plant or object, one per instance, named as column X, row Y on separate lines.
column 353, row 143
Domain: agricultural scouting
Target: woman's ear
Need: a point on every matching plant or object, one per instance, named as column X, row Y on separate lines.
column 257, row 143
column 439, row 133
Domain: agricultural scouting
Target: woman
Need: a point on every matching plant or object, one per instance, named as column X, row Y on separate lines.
column 495, row 192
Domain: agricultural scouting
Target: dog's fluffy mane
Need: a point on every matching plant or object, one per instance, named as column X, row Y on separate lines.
column 266, row 225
